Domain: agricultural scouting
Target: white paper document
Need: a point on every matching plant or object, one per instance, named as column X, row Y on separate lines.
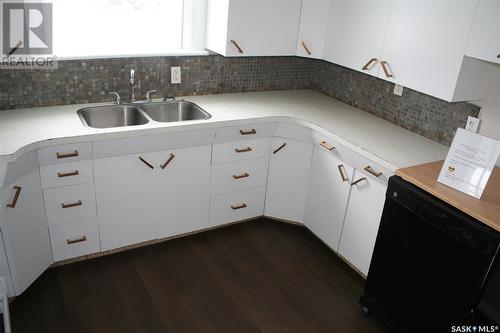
column 469, row 163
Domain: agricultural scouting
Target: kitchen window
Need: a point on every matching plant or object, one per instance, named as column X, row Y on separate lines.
column 117, row 28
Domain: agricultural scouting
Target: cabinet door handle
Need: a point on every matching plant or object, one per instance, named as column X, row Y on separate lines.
column 305, row 47
column 326, row 145
column 146, row 162
column 73, row 204
column 243, row 150
column 164, row 165
column 66, row 155
column 342, row 172
column 358, row 181
column 385, row 67
column 243, row 205
column 68, row 174
column 369, row 169
column 243, row 175
column 237, row 46
column 16, row 196
column 252, row 131
column 279, row 148
column 369, row 63
column 76, row 240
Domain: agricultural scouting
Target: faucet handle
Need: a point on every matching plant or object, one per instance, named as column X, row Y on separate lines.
column 169, row 98
column 148, row 94
column 118, row 99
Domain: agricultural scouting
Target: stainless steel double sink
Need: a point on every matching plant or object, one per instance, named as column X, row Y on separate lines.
column 139, row 114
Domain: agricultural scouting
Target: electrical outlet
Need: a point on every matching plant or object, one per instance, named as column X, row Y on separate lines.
column 398, row 89
column 472, row 124
column 175, row 75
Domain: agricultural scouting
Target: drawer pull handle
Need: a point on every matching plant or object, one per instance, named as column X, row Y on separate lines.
column 68, row 174
column 243, row 205
column 164, row 165
column 279, row 148
column 342, row 172
column 243, row 150
column 369, row 63
column 359, row 180
column 369, row 169
column 237, row 46
column 146, row 162
column 66, row 155
column 326, row 145
column 305, row 47
column 73, row 204
column 76, row 240
column 385, row 67
column 16, row 196
column 252, row 131
column 243, row 175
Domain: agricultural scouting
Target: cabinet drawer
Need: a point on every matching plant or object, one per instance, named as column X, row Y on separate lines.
column 371, row 169
column 63, row 174
column 241, row 132
column 333, row 146
column 236, row 206
column 241, row 150
column 65, row 153
column 240, row 175
column 74, row 239
column 70, row 203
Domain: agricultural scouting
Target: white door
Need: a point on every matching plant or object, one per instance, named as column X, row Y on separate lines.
column 312, row 29
column 355, row 33
column 126, row 199
column 183, row 190
column 329, row 186
column 425, row 44
column 263, row 28
column 25, row 230
column 287, row 179
column 362, row 219
column 484, row 40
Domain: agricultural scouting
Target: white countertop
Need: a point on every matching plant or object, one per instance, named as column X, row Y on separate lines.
column 25, row 130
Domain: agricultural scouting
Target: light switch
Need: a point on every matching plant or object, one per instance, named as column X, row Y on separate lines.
column 398, row 89
column 472, row 124
column 175, row 75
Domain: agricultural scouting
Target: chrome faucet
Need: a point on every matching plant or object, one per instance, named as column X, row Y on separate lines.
column 132, row 84
column 148, row 94
column 117, row 95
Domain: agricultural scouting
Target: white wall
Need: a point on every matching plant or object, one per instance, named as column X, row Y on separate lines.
column 490, row 110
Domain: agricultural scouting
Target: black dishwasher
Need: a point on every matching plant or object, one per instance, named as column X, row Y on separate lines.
column 429, row 263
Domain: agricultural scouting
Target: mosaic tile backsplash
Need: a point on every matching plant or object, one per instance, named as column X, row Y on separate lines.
column 88, row 81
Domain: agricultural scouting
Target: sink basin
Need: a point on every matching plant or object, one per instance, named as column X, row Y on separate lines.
column 174, row 111
column 112, row 116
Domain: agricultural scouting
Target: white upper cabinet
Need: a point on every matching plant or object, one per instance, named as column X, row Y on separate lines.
column 484, row 41
column 312, row 29
column 425, row 45
column 287, row 179
column 253, row 27
column 355, row 34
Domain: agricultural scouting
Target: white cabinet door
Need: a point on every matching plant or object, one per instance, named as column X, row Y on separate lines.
column 287, row 179
column 484, row 40
column 126, row 199
column 25, row 230
column 327, row 196
column 183, row 188
column 312, row 28
column 361, row 221
column 355, row 33
column 425, row 44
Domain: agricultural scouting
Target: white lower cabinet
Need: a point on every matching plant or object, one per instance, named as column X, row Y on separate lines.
column 362, row 220
column 183, row 190
column 287, row 179
column 25, row 231
column 126, row 199
column 74, row 239
column 329, row 187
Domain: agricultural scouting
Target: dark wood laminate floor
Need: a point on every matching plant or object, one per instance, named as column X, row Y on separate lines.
column 257, row 276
